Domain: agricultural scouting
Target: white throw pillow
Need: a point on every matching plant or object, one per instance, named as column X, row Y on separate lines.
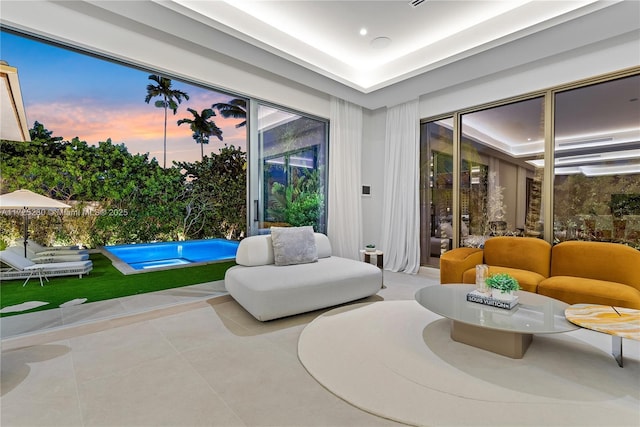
column 293, row 245
column 255, row 250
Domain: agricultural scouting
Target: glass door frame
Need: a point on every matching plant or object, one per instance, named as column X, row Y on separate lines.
column 549, row 145
column 255, row 170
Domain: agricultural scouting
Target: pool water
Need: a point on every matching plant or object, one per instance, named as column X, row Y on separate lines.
column 145, row 256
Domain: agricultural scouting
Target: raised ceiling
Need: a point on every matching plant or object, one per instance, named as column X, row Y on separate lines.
column 401, row 40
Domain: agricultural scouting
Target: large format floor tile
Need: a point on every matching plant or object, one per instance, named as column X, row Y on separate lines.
column 199, row 360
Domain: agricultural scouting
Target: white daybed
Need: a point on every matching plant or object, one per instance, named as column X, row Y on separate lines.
column 270, row 291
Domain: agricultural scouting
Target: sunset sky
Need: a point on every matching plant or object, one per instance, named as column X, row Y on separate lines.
column 73, row 94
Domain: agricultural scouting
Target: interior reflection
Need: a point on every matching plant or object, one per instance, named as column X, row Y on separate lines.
column 596, row 186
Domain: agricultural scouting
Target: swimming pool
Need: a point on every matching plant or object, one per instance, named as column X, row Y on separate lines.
column 144, row 256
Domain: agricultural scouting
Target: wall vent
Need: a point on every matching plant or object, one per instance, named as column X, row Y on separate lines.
column 416, row 3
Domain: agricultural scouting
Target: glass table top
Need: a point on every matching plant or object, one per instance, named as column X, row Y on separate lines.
column 535, row 314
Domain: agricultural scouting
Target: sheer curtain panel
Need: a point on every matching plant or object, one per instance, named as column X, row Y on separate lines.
column 401, row 214
column 345, row 207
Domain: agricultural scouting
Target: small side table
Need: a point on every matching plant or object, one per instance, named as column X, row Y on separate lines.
column 618, row 322
column 379, row 261
column 379, row 257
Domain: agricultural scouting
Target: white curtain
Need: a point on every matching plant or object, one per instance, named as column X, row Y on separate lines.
column 345, row 207
column 401, row 214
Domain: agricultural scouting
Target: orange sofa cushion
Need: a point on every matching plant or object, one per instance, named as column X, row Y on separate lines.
column 580, row 290
column 574, row 271
column 522, row 253
column 611, row 262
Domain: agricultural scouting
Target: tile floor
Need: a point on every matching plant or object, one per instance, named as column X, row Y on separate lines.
column 62, row 318
column 184, row 357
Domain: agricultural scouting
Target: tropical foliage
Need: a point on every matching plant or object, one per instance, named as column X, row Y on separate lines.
column 601, row 208
column 299, row 203
column 215, row 201
column 202, row 127
column 235, row 109
column 119, row 197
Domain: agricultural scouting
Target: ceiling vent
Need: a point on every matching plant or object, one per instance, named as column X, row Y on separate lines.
column 416, row 3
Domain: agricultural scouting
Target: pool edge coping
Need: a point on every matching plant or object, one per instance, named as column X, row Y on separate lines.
column 127, row 270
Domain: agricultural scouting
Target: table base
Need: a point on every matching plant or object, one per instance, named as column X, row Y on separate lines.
column 616, row 349
column 510, row 344
column 379, row 258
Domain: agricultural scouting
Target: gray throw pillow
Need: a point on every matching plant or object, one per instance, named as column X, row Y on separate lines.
column 293, row 245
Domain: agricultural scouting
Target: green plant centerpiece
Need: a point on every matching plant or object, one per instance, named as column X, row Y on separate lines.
column 370, row 247
column 502, row 286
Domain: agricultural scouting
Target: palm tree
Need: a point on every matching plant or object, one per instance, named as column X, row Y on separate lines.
column 235, row 109
column 170, row 99
column 202, row 127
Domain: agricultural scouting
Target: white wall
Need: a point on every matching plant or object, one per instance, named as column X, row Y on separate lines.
column 594, row 60
column 373, row 134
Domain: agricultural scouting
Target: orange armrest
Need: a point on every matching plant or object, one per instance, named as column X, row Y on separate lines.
column 455, row 262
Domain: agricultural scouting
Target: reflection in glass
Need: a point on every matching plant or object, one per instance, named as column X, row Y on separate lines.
column 500, row 190
column 597, row 163
column 292, row 150
column 436, row 189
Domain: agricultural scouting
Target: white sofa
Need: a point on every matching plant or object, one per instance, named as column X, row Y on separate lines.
column 270, row 291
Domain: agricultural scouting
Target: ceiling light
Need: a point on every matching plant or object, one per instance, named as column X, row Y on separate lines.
column 611, row 156
column 586, row 142
column 591, row 170
column 363, row 31
column 577, row 159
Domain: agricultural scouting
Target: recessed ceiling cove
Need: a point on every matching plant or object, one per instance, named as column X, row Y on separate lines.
column 402, row 39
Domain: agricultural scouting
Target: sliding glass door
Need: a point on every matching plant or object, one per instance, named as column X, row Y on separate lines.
column 289, row 155
column 597, row 162
column 436, row 189
column 561, row 164
column 500, row 185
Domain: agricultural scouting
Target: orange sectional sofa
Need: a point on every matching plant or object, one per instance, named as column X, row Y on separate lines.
column 573, row 271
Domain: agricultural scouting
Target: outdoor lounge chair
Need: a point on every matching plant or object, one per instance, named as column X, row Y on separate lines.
column 20, row 267
column 45, row 250
column 49, row 257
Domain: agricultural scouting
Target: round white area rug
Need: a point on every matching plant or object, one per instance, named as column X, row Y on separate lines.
column 396, row 359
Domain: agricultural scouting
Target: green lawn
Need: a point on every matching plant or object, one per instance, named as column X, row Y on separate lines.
column 104, row 282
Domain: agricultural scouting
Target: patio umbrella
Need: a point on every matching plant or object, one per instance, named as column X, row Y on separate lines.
column 23, row 201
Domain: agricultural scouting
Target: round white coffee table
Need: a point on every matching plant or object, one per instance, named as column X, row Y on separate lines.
column 502, row 331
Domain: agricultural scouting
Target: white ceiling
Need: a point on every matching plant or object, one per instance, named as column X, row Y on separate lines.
column 402, row 41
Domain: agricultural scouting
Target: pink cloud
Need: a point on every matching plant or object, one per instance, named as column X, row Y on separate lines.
column 139, row 127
